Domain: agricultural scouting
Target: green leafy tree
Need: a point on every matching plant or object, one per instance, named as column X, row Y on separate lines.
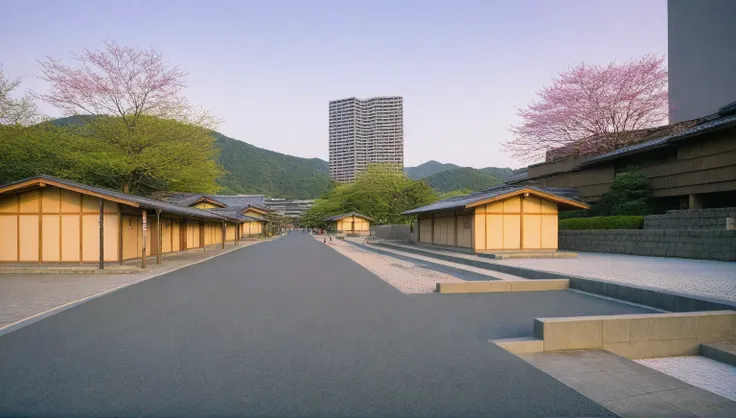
column 381, row 193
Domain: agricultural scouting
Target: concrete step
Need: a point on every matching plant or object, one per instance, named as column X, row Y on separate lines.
column 723, row 351
column 522, row 345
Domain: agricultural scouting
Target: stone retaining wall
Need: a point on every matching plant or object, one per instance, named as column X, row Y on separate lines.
column 690, row 219
column 398, row 232
column 700, row 244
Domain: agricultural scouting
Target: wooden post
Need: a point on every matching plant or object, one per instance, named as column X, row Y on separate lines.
column 224, row 233
column 144, row 227
column 102, row 234
column 120, row 236
column 159, row 236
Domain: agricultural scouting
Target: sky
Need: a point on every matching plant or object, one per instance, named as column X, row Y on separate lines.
column 268, row 68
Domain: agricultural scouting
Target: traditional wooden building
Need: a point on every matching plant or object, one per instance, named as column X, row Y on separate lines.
column 249, row 209
column 349, row 223
column 50, row 220
column 498, row 219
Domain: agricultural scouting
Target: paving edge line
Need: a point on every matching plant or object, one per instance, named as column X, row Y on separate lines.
column 21, row 323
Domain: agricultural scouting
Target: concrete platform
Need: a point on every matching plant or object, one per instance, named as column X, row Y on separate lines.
column 723, row 351
column 629, row 389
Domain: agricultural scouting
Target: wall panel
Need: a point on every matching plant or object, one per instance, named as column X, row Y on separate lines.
column 69, row 201
column 480, row 232
column 30, row 202
column 111, row 237
column 51, row 200
column 532, row 231
column 549, row 232
column 494, row 233
column 511, row 229
column 51, row 236
column 9, row 204
column 70, row 238
column 9, row 238
column 28, row 226
column 91, row 238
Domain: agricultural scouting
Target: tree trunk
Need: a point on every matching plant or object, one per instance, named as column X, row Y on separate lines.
column 126, row 185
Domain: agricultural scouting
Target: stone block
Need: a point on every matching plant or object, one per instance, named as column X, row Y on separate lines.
column 717, row 325
column 616, row 330
column 574, row 334
column 676, row 326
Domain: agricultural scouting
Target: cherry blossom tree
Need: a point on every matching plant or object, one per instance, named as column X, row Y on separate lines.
column 593, row 109
column 133, row 101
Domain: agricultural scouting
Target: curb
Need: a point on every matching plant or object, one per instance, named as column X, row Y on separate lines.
column 21, row 323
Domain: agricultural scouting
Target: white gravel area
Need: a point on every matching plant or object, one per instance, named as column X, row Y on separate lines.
column 705, row 373
column 699, row 277
column 485, row 272
column 404, row 276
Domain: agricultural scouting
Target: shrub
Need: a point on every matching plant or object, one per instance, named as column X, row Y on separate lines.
column 603, row 222
column 629, row 195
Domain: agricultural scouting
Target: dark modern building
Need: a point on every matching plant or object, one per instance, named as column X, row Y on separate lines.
column 702, row 56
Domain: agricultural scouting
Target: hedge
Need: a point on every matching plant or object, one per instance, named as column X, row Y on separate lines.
column 603, row 222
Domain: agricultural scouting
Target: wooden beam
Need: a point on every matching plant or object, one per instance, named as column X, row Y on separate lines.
column 144, row 228
column 159, row 236
column 224, row 233
column 120, row 235
column 102, row 234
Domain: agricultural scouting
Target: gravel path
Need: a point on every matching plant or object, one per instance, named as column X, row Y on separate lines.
column 698, row 277
column 492, row 275
column 405, row 276
column 698, row 371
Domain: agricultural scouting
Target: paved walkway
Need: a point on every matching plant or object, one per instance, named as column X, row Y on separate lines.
column 287, row 328
column 628, row 388
column 24, row 295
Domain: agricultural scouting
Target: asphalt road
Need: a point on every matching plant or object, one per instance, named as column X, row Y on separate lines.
column 286, row 328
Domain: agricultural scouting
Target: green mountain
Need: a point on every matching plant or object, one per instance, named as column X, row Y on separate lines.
column 256, row 170
column 499, row 172
column 461, row 178
column 427, row 169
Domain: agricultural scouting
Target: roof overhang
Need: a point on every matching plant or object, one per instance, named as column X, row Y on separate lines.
column 39, row 182
column 529, row 191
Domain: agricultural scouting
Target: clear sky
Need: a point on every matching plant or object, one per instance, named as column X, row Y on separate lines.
column 268, row 68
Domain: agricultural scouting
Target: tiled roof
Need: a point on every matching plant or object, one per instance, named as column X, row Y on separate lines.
column 665, row 140
column 231, row 201
column 462, row 201
column 241, row 201
column 346, row 215
column 144, row 202
column 234, row 213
